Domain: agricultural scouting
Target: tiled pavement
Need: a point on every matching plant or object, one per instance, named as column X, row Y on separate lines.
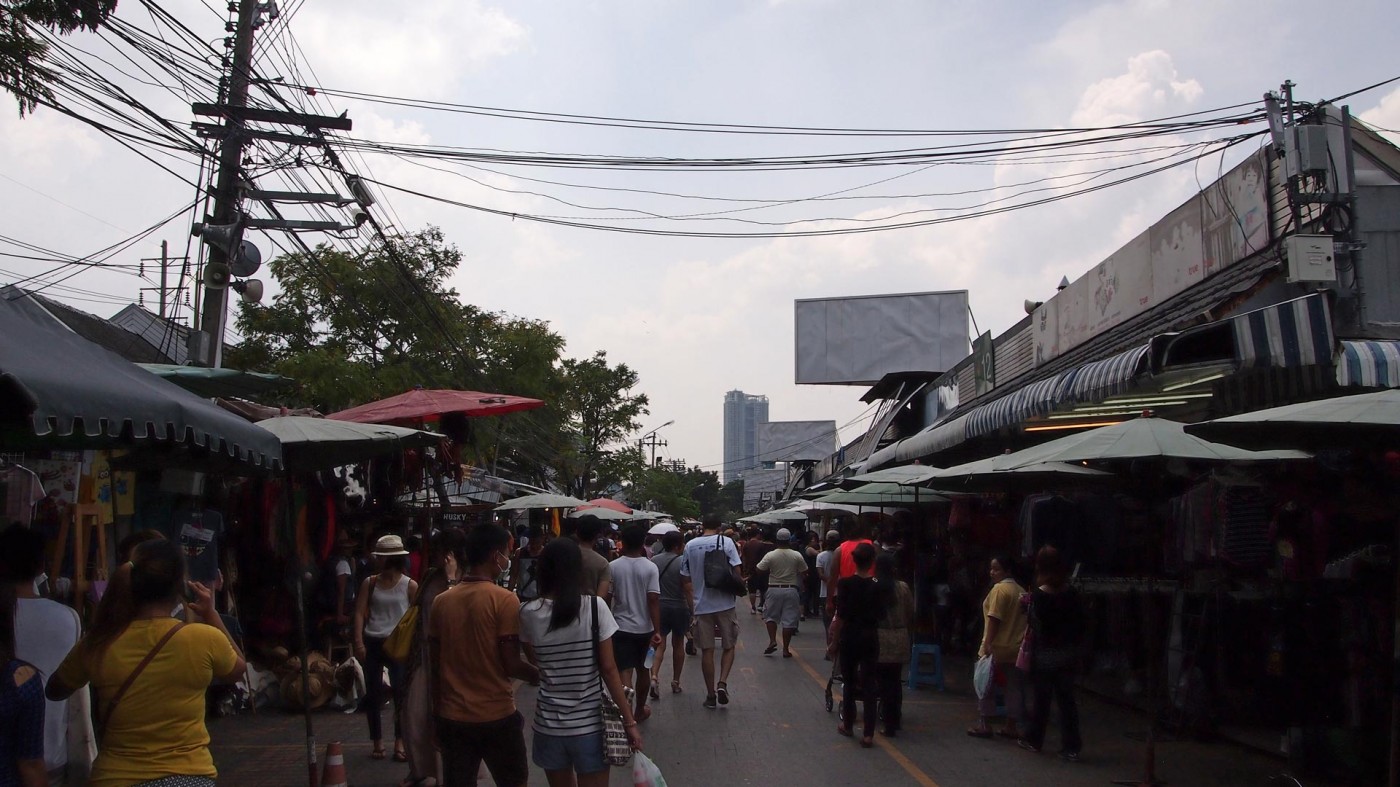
column 776, row 732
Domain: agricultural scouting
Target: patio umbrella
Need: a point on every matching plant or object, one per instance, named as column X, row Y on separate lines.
column 317, row 444
column 1141, row 438
column 882, row 496
column 638, row 513
column 605, row 514
column 543, row 500
column 1362, row 420
column 909, row 474
column 422, row 405
column 996, row 473
column 662, row 528
column 607, row 502
column 211, row 383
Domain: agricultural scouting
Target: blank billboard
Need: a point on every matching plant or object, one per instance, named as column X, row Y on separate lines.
column 857, row 341
column 796, row 441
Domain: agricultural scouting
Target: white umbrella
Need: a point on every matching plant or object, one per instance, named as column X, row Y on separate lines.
column 606, row 514
column 662, row 528
column 542, row 500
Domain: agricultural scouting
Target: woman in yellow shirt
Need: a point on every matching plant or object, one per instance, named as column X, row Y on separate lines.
column 1003, row 626
column 152, row 724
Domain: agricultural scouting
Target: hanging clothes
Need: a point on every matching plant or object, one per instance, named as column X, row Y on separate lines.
column 1244, row 525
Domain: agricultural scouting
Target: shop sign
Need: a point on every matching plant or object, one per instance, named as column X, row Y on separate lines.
column 984, row 364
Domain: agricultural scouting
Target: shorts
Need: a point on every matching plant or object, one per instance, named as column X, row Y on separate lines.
column 501, row 744
column 674, row 621
column 725, row 620
column 180, row 781
column 782, row 606
column 630, row 650
column 578, row 753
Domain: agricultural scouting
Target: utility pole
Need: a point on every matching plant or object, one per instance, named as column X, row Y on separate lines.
column 164, row 289
column 653, row 441
column 226, row 193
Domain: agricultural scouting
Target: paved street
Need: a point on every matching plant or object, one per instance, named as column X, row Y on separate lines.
column 775, row 731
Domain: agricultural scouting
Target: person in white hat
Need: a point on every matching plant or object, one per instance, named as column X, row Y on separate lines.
column 784, row 568
column 382, row 600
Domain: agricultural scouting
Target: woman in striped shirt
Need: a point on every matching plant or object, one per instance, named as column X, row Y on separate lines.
column 557, row 630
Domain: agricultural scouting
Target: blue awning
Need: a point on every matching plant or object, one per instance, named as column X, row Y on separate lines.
column 1369, row 364
column 1093, row 382
column 1040, row 398
column 1289, row 334
column 991, row 416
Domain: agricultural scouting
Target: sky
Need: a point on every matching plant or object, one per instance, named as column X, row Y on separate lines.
column 697, row 317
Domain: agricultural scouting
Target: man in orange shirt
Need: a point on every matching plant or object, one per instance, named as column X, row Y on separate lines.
column 474, row 647
column 843, row 562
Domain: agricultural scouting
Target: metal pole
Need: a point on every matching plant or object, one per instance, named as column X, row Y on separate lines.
column 226, row 197
column 313, row 777
column 164, row 263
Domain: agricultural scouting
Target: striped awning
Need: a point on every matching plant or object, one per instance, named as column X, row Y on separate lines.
column 1096, row 381
column 992, row 416
column 932, row 440
column 1369, row 364
column 1040, row 398
column 1289, row 334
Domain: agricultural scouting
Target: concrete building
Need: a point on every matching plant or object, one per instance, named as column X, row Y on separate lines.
column 742, row 415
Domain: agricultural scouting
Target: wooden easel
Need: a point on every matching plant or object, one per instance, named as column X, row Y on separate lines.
column 84, row 522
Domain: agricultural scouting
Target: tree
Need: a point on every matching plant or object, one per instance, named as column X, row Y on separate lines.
column 600, row 410
column 666, row 490
column 22, row 53
column 731, row 499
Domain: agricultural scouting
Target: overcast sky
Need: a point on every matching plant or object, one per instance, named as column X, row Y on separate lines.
column 698, row 317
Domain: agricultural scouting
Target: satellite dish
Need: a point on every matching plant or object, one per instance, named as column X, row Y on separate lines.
column 250, row 291
column 216, row 275
column 247, row 261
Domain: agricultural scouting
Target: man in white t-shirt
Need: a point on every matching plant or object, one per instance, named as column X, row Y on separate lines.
column 714, row 607
column 45, row 631
column 636, row 605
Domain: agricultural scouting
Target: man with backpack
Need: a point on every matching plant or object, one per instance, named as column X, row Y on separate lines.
column 711, row 582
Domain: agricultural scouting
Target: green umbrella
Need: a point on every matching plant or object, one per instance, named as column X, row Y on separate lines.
column 211, row 383
column 320, row 443
column 908, row 474
column 1141, row 438
column 882, row 495
column 1363, row 420
column 541, row 500
column 1000, row 473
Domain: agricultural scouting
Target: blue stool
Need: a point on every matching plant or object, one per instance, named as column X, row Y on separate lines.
column 917, row 676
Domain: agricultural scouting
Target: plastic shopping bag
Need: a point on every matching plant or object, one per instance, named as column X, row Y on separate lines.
column 645, row 773
column 982, row 676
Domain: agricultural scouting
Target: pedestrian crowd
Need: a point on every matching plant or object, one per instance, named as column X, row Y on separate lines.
column 588, row 619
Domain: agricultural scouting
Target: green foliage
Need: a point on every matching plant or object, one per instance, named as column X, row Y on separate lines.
column 730, row 501
column 663, row 490
column 352, row 329
column 23, row 71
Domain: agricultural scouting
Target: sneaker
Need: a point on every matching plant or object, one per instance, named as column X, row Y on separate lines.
column 710, row 702
column 690, row 647
column 1025, row 744
column 1069, row 756
column 723, row 692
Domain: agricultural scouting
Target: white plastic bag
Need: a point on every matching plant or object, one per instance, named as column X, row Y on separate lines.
column 982, row 676
column 645, row 773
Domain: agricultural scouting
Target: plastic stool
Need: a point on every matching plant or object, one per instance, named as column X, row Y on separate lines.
column 917, row 676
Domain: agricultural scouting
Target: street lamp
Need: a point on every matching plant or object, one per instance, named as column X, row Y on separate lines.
column 651, row 439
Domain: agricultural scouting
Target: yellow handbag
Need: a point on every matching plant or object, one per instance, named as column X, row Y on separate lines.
column 399, row 645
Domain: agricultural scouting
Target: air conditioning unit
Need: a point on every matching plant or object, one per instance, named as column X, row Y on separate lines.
column 1310, row 258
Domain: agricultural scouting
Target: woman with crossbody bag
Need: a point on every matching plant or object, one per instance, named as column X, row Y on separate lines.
column 560, row 631
column 150, row 673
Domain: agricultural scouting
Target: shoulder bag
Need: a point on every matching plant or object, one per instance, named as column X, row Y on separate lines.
column 617, row 750
column 136, row 673
column 719, row 575
column 1026, row 654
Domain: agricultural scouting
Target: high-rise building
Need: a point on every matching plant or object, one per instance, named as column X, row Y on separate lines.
column 742, row 415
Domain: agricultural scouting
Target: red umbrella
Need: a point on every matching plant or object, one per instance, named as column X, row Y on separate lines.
column 605, row 502
column 426, row 406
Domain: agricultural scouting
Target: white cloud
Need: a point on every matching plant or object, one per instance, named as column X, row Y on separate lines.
column 1386, row 115
column 1149, row 88
column 420, row 49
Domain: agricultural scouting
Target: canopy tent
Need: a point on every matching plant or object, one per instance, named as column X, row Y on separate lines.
column 58, row 390
column 317, row 443
column 539, row 501
column 422, row 405
column 213, row 383
column 1362, row 420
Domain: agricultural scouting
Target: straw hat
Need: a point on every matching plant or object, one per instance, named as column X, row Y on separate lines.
column 389, row 546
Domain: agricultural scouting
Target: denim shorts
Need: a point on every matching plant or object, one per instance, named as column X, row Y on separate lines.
column 579, row 753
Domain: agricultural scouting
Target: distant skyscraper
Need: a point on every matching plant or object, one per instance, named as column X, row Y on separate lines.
column 742, row 415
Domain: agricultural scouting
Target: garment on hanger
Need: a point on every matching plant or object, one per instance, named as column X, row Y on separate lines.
column 22, row 491
column 1244, row 524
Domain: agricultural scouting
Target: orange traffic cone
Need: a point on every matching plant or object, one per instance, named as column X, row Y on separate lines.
column 334, row 773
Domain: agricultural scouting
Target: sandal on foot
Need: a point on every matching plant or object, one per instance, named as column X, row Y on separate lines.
column 400, row 755
column 867, row 743
column 770, row 650
column 655, row 692
column 377, row 754
column 644, row 715
column 841, row 729
column 675, row 687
